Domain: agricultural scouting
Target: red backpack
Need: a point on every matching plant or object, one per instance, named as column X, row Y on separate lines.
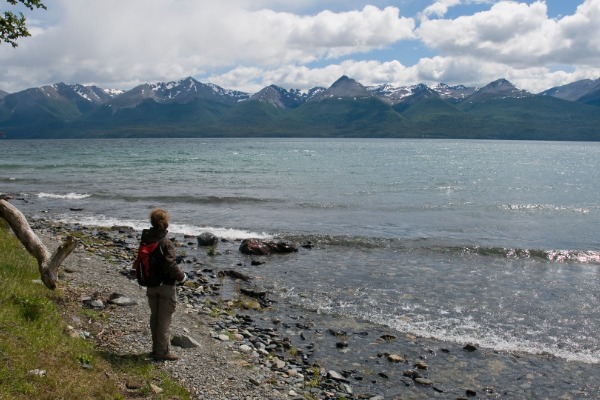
column 147, row 265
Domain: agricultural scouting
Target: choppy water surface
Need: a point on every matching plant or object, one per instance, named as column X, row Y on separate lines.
column 494, row 243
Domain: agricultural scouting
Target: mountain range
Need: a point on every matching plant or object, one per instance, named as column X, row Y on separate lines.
column 189, row 108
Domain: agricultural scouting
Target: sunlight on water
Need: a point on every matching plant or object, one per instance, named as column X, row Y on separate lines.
column 464, row 329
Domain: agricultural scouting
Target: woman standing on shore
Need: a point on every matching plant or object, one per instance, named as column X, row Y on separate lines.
column 162, row 298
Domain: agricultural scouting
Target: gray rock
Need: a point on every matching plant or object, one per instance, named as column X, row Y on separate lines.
column 395, row 358
column 411, row 374
column 245, row 348
column 254, row 381
column 123, row 301
column 223, row 338
column 335, row 376
column 207, row 239
column 346, row 388
column 264, row 247
column 38, row 372
column 470, row 347
column 423, row 381
column 184, row 341
column 97, row 304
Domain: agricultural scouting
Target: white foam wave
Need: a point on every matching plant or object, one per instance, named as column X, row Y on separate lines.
column 102, row 221
column 468, row 331
column 507, row 342
column 582, row 257
column 107, row 222
column 544, row 207
column 458, row 330
column 223, row 233
column 68, row 196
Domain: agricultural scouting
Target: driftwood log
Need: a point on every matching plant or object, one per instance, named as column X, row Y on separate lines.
column 48, row 264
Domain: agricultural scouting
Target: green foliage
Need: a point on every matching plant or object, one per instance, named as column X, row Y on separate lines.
column 12, row 26
column 244, row 303
column 32, row 309
column 293, row 351
column 315, row 380
column 84, row 359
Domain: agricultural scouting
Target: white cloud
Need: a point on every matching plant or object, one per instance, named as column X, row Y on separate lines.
column 431, row 71
column 116, row 43
column 508, row 32
column 519, row 35
column 440, row 8
column 246, row 45
column 302, row 77
column 581, row 35
column 476, row 72
column 336, row 34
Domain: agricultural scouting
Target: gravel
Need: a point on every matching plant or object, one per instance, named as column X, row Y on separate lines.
column 214, row 370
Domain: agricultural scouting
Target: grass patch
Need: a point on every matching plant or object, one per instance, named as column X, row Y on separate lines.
column 315, row 380
column 38, row 357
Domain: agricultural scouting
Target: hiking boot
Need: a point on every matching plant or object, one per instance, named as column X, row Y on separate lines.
column 165, row 357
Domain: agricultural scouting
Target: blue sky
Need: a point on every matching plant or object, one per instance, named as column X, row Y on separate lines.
column 247, row 45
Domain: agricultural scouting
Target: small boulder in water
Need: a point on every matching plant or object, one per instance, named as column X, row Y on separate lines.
column 259, row 247
column 470, row 347
column 207, row 239
column 254, row 247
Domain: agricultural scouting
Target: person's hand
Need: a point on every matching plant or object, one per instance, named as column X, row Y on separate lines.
column 182, row 280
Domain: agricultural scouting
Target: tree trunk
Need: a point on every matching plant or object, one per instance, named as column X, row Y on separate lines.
column 48, row 264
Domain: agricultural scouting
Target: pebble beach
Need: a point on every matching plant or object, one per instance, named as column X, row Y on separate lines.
column 237, row 340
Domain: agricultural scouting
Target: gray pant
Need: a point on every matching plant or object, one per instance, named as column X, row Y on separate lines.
column 162, row 300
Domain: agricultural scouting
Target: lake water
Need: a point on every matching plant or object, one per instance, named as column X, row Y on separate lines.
column 488, row 242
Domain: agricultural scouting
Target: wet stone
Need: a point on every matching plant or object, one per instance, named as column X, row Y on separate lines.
column 470, row 347
column 395, row 358
column 423, row 381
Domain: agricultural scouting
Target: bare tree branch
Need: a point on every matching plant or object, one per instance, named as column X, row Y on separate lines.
column 48, row 264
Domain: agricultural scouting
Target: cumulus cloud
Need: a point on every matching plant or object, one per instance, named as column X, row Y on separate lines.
column 246, row 45
column 368, row 72
column 119, row 43
column 440, row 8
column 338, row 34
column 477, row 72
column 581, row 35
column 504, row 33
column 519, row 35
column 431, row 71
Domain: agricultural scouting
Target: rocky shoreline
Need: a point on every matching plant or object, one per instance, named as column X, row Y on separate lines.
column 237, row 340
column 223, row 354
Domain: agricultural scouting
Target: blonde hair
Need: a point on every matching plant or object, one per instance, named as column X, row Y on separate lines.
column 159, row 219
